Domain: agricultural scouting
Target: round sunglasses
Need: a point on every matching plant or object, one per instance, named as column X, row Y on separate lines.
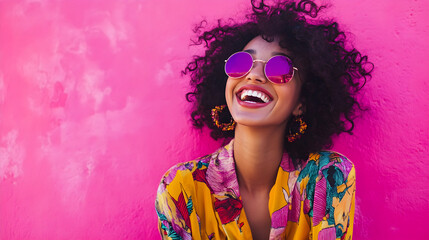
column 278, row 69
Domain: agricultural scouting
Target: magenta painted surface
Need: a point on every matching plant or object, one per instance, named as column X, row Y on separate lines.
column 92, row 113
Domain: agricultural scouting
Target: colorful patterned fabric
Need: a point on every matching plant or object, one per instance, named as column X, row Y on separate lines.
column 200, row 199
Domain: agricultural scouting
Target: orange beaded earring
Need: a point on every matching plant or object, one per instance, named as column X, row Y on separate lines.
column 215, row 112
column 301, row 130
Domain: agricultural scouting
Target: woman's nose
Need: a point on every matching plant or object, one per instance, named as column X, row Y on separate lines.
column 257, row 72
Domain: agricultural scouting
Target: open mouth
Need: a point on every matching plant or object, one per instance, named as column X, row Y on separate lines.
column 253, row 96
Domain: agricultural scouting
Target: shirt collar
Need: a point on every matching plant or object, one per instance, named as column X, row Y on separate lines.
column 221, row 173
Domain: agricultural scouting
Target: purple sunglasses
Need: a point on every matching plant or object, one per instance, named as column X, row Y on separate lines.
column 278, row 69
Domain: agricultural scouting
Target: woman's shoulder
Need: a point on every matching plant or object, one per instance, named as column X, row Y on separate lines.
column 327, row 157
column 176, row 200
column 327, row 163
column 328, row 179
column 185, row 171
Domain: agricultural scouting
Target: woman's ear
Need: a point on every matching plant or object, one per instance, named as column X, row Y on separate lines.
column 298, row 110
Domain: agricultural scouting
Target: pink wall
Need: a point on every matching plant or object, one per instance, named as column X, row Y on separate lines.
column 92, row 113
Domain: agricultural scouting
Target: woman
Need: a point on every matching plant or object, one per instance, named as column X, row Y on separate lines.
column 290, row 86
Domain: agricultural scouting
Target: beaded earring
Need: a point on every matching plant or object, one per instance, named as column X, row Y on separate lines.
column 215, row 113
column 297, row 120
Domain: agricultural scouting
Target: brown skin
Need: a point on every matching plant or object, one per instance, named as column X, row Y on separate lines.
column 256, row 172
column 259, row 135
column 256, row 209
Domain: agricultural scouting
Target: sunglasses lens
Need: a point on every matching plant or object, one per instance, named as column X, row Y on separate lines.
column 279, row 69
column 238, row 64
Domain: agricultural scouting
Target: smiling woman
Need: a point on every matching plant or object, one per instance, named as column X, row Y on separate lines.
column 282, row 96
column 281, row 85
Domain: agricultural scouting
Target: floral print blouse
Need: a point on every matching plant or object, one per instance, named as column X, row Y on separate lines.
column 200, row 199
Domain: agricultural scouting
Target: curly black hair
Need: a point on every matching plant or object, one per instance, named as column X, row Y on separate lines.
column 333, row 71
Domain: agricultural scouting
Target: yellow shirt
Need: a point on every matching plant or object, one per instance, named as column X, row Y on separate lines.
column 200, row 199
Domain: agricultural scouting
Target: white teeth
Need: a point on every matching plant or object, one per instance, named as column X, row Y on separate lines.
column 265, row 99
column 257, row 94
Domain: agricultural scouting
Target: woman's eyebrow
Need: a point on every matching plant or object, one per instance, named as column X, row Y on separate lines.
column 281, row 53
column 251, row 51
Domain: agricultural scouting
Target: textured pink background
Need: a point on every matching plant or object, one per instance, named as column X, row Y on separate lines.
column 92, row 113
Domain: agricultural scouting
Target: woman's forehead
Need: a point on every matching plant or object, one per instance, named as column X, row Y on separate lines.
column 259, row 46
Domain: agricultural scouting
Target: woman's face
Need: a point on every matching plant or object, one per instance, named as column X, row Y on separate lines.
column 283, row 99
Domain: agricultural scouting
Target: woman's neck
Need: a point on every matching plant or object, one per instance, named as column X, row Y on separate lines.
column 258, row 153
